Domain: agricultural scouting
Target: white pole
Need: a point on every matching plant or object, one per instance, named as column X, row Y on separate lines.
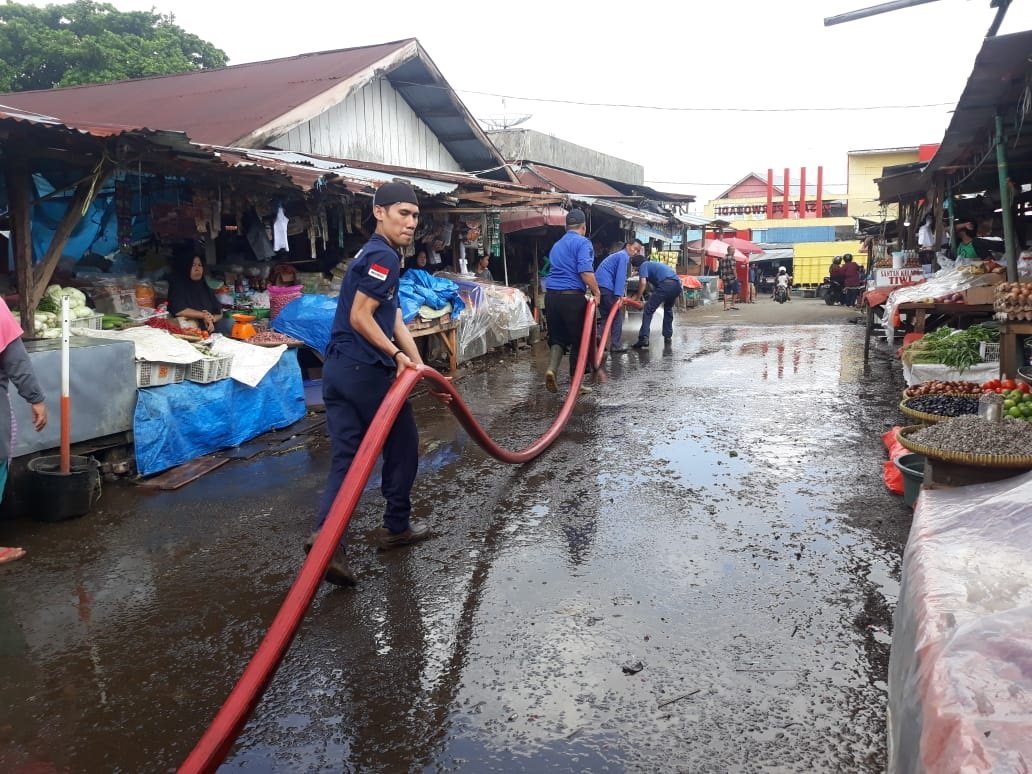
column 66, row 419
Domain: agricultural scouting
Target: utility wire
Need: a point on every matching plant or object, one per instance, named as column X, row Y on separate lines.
column 674, row 108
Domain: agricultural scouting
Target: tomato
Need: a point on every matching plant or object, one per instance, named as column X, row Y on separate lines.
column 1008, row 384
column 992, row 384
column 1024, row 387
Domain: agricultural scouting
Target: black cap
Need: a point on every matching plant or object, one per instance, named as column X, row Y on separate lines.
column 575, row 218
column 394, row 193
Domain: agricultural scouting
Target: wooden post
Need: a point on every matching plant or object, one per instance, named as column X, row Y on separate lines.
column 19, row 182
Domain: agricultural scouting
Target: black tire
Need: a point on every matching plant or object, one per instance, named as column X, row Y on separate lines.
column 829, row 298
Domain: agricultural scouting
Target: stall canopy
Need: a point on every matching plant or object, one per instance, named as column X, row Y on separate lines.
column 525, row 218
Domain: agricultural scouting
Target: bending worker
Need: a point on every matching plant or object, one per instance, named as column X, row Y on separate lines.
column 572, row 259
column 370, row 346
column 611, row 276
column 666, row 288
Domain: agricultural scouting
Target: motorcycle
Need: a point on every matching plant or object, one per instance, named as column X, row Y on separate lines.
column 781, row 294
column 833, row 291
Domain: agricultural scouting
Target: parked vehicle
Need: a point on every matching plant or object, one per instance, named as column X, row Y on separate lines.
column 833, row 290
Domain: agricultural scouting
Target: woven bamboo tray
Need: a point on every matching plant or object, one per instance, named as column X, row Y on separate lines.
column 962, row 458
column 929, row 419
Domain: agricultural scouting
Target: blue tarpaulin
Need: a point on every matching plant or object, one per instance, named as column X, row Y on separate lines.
column 309, row 319
column 417, row 287
column 209, row 417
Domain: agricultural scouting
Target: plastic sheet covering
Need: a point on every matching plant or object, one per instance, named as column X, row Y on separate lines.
column 180, row 422
column 960, row 668
column 308, row 319
column 938, row 285
column 492, row 310
column 417, row 288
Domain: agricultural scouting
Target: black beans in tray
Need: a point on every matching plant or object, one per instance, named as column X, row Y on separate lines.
column 944, row 405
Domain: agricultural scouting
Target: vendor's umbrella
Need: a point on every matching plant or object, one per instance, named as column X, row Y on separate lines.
column 714, row 250
column 747, row 247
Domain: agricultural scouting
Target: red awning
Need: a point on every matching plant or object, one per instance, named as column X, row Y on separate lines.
column 524, row 218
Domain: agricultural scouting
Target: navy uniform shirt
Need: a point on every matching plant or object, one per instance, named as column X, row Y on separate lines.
column 611, row 274
column 656, row 272
column 569, row 257
column 374, row 271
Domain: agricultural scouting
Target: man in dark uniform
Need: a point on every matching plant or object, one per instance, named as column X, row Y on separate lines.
column 573, row 261
column 666, row 288
column 611, row 276
column 369, row 347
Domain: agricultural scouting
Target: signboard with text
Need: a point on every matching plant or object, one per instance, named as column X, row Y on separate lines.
column 888, row 277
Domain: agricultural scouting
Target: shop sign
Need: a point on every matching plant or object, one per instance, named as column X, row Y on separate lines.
column 888, row 277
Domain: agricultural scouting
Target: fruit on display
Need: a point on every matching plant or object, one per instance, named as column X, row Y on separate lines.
column 936, row 387
column 1013, row 301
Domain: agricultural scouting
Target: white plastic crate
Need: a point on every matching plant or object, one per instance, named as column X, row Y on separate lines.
column 989, row 351
column 210, row 369
column 150, row 374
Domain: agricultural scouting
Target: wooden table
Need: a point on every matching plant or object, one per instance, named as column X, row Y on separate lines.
column 446, row 330
column 1010, row 352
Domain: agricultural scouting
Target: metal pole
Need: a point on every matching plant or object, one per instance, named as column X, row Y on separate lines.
column 1005, row 204
column 863, row 13
column 952, row 216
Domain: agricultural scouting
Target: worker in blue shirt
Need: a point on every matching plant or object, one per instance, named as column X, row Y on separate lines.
column 611, row 276
column 666, row 288
column 370, row 346
column 572, row 260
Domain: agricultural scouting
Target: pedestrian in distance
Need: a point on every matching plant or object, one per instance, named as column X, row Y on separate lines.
column 852, row 280
column 567, row 287
column 666, row 289
column 370, row 346
column 611, row 276
column 16, row 368
column 729, row 279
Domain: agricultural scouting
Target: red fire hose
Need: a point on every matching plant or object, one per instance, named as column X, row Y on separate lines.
column 213, row 747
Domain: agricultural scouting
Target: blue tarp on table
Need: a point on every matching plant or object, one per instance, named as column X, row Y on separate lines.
column 180, row 422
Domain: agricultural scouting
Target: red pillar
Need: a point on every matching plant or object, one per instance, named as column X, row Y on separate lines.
column 784, row 211
column 770, row 194
column 820, row 192
column 802, row 192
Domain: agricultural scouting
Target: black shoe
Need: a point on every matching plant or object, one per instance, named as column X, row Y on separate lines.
column 417, row 531
column 641, row 344
column 618, row 350
column 667, row 340
column 338, row 572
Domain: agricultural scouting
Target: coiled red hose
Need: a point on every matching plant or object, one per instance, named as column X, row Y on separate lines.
column 213, row 747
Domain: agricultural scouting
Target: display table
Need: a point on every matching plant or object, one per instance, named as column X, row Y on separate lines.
column 957, row 313
column 446, row 330
column 1010, row 352
column 180, row 422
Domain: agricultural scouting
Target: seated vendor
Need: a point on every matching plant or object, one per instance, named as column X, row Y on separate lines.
column 190, row 300
column 967, row 250
column 482, row 270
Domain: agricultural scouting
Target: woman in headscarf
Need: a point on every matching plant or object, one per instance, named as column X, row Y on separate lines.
column 15, row 367
column 190, row 298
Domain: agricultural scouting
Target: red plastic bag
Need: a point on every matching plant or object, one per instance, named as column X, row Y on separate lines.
column 892, row 475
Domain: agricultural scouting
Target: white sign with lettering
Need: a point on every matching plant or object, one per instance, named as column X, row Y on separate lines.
column 887, row 277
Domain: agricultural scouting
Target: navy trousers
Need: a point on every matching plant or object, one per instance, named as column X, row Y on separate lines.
column 609, row 299
column 353, row 394
column 666, row 295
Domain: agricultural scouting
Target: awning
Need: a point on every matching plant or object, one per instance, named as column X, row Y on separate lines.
column 525, row 218
column 660, row 224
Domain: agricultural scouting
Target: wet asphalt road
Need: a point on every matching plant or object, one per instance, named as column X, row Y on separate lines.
column 714, row 513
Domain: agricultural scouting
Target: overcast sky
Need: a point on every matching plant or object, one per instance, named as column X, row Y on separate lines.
column 729, row 54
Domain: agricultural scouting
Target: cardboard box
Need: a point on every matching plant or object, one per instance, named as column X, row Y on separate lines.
column 983, row 294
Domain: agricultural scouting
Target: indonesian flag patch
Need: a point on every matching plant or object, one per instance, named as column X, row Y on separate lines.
column 379, row 272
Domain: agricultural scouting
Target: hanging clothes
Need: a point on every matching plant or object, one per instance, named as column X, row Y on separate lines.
column 279, row 231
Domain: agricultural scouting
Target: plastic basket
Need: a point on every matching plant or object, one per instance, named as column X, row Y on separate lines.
column 94, row 321
column 149, row 374
column 989, row 351
column 210, row 369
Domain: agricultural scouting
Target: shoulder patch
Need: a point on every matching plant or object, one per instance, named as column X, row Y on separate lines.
column 379, row 272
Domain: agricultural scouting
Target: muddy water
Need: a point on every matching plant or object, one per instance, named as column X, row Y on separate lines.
column 714, row 515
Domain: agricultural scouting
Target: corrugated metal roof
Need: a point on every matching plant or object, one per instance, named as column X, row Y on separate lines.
column 542, row 176
column 625, row 211
column 212, row 106
column 85, row 128
column 250, row 104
